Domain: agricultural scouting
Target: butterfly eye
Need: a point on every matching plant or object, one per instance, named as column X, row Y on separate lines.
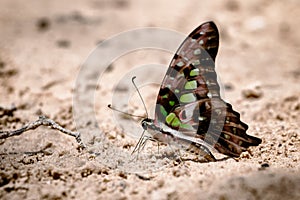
column 144, row 124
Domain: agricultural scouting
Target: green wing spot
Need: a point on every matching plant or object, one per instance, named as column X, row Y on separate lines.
column 171, row 103
column 188, row 98
column 163, row 111
column 194, row 72
column 170, row 118
column 176, row 122
column 186, row 126
column 176, row 91
column 165, row 96
column 190, row 85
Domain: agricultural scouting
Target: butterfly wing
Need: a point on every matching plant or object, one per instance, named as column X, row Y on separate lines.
column 189, row 98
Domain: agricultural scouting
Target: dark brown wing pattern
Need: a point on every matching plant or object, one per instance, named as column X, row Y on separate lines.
column 189, row 98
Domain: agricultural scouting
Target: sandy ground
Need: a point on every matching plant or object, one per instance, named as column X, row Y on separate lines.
column 42, row 48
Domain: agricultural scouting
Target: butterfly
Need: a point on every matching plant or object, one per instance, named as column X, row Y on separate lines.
column 189, row 108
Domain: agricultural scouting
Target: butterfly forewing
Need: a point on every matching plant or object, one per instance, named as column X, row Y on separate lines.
column 189, row 98
column 191, row 77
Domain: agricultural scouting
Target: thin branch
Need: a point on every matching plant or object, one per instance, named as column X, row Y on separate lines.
column 42, row 121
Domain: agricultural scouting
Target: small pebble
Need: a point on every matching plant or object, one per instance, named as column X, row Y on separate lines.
column 43, row 24
column 252, row 93
column 63, row 43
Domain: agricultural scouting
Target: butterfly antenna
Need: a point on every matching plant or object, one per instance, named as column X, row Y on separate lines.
column 109, row 105
column 139, row 94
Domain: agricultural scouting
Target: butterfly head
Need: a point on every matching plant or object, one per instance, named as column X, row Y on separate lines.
column 147, row 123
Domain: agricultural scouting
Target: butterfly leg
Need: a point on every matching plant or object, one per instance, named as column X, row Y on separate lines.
column 143, row 143
column 139, row 147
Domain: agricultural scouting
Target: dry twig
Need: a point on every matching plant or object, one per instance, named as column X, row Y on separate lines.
column 42, row 121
